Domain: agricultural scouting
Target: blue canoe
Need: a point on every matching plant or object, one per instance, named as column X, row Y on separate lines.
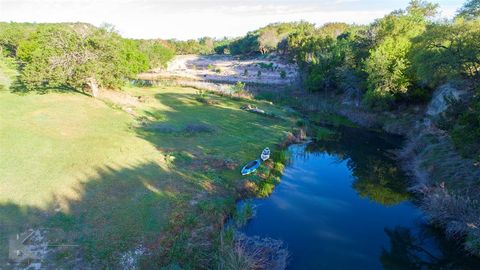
column 251, row 167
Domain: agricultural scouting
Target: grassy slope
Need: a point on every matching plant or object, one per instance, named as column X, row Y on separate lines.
column 71, row 162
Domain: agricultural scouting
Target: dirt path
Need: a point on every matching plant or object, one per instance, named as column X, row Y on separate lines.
column 270, row 70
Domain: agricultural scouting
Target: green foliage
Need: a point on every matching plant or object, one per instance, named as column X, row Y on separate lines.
column 132, row 58
column 470, row 10
column 246, row 45
column 11, row 34
column 326, row 61
column 267, row 39
column 265, row 65
column 222, row 46
column 192, row 46
column 322, row 133
column 466, row 132
column 71, row 55
column 58, row 55
column 243, row 213
column 386, row 68
column 238, row 88
column 306, row 39
column 378, row 100
column 77, row 56
column 447, row 51
column 157, row 53
column 325, row 54
column 388, row 63
column 204, row 45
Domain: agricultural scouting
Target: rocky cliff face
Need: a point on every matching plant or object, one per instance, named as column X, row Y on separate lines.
column 441, row 98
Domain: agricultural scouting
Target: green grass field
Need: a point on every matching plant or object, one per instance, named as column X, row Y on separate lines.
column 107, row 180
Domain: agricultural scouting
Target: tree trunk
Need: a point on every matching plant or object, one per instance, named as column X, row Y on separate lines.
column 92, row 83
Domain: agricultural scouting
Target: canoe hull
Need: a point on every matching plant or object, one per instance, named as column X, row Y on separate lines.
column 265, row 154
column 251, row 167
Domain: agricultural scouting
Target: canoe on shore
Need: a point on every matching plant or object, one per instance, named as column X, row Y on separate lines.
column 251, row 167
column 265, row 154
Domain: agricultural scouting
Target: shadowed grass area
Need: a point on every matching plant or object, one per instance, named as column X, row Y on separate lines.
column 238, row 135
column 91, row 173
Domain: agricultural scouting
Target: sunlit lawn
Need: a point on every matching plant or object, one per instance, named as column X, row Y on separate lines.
column 69, row 161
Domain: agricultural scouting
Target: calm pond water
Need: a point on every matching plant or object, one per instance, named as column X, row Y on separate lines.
column 343, row 204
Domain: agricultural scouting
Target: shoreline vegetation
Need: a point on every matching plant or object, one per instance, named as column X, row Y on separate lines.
column 147, row 176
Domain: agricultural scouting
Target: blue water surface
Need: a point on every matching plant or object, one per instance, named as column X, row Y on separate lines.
column 344, row 204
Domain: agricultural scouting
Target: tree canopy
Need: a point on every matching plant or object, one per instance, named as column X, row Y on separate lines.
column 77, row 56
column 470, row 10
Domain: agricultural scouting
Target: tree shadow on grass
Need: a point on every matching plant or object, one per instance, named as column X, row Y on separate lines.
column 238, row 134
column 115, row 212
column 20, row 88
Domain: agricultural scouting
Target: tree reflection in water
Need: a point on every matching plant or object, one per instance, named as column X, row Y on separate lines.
column 369, row 156
column 426, row 249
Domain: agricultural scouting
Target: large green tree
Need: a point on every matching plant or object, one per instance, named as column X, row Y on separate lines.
column 448, row 51
column 157, row 53
column 78, row 56
column 387, row 64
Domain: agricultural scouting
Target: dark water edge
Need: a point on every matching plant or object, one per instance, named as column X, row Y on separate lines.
column 344, row 204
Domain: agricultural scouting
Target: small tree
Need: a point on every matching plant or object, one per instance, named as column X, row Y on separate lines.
column 268, row 41
column 238, row 88
column 157, row 53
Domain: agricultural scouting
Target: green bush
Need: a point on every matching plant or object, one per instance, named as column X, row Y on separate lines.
column 157, row 53
column 238, row 88
column 380, row 101
column 466, row 132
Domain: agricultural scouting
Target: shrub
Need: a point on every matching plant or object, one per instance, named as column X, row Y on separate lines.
column 466, row 133
column 238, row 88
column 379, row 100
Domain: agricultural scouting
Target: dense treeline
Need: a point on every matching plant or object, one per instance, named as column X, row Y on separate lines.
column 271, row 38
column 77, row 56
column 399, row 57
column 204, row 45
column 398, row 60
